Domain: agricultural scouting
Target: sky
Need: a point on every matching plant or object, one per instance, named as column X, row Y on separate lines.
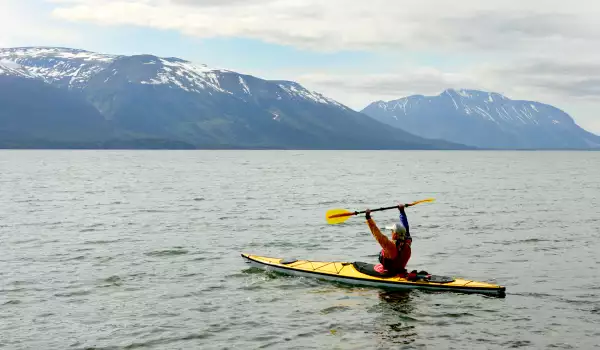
column 353, row 51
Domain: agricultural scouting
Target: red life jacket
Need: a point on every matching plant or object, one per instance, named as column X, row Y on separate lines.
column 397, row 264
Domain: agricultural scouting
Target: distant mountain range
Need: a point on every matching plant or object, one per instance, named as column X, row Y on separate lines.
column 68, row 98
column 484, row 120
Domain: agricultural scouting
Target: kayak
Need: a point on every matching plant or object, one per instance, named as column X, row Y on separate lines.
column 363, row 274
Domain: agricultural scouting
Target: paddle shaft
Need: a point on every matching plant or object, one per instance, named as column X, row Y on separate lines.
column 333, row 216
column 379, row 209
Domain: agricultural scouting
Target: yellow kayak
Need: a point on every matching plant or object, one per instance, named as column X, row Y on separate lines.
column 360, row 273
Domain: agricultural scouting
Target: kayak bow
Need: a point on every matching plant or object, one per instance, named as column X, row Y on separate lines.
column 350, row 273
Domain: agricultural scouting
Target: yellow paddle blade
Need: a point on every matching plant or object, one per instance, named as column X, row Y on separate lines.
column 337, row 216
column 428, row 200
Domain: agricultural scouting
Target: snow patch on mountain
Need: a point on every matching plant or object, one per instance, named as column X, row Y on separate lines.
column 9, row 68
column 55, row 52
column 296, row 90
column 184, row 75
column 59, row 66
column 244, row 86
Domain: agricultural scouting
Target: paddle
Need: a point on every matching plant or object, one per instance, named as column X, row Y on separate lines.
column 337, row 216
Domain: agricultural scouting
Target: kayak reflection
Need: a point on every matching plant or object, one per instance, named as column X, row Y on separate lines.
column 396, row 323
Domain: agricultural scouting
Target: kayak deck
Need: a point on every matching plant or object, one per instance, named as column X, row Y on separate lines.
column 346, row 272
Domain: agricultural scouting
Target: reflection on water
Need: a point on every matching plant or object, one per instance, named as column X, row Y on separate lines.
column 398, row 301
column 396, row 320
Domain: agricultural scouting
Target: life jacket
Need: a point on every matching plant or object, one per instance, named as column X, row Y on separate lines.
column 396, row 264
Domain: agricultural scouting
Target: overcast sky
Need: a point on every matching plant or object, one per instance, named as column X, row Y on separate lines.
column 351, row 50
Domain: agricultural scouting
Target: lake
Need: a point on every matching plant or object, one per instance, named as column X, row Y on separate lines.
column 141, row 249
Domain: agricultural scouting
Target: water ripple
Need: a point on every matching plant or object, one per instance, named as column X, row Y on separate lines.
column 127, row 249
column 168, row 252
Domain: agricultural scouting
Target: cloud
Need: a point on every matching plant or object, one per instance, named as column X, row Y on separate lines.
column 434, row 25
column 220, row 3
column 534, row 79
column 423, row 80
column 573, row 79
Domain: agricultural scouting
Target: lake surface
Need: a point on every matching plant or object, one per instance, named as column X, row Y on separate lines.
column 141, row 249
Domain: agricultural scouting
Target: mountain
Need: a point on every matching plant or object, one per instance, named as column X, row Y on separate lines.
column 484, row 120
column 167, row 99
column 35, row 111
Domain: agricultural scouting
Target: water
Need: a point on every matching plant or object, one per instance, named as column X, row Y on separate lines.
column 140, row 249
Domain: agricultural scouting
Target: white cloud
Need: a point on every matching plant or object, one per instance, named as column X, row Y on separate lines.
column 576, row 80
column 539, row 27
column 361, row 89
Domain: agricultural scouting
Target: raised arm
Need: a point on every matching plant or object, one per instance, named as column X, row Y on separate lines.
column 388, row 246
column 404, row 219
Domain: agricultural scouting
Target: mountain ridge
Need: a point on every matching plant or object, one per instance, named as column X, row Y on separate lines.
column 484, row 119
column 150, row 97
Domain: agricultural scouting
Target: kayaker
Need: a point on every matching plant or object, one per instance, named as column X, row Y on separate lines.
column 396, row 252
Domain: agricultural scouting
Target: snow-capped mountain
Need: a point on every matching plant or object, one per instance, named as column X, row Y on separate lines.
column 483, row 119
column 166, row 98
column 74, row 69
column 58, row 66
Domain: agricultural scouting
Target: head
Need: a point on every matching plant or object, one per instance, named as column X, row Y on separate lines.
column 398, row 231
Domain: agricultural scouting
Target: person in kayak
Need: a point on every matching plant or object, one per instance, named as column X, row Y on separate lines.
column 396, row 252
